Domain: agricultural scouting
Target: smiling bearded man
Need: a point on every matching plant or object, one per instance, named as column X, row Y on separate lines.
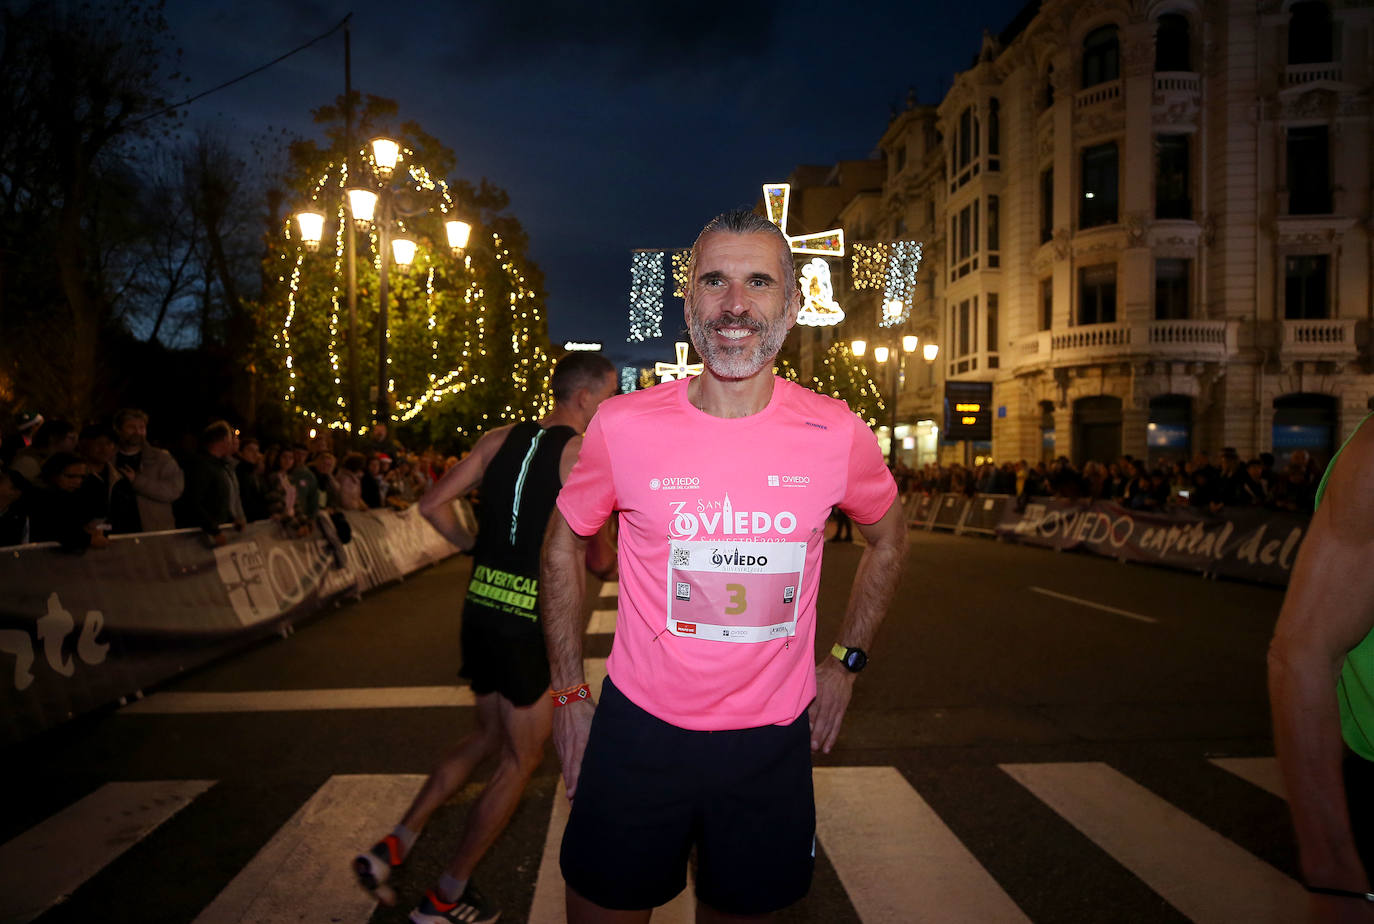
column 722, row 484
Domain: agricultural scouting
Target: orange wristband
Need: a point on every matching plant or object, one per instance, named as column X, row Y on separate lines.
column 571, row 694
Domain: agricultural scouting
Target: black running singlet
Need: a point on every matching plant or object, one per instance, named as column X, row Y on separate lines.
column 519, row 489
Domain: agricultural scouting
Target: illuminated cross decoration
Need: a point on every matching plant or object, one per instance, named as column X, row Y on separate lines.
column 668, row 372
column 819, row 308
column 824, row 243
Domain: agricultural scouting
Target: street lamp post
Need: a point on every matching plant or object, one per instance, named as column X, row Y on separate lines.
column 881, row 354
column 380, row 204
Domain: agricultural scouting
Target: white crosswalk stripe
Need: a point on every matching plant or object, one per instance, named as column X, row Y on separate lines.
column 1192, row 867
column 306, row 864
column 896, row 859
column 86, row 836
column 1261, row 771
column 923, row 874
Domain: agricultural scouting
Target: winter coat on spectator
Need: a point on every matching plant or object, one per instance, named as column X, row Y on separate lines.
column 371, row 490
column 207, row 502
column 252, row 491
column 60, row 516
column 307, row 490
column 157, row 482
column 351, row 490
column 14, row 521
column 110, row 496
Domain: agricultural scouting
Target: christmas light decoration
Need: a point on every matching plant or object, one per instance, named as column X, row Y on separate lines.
column 668, row 372
column 456, row 308
column 776, row 197
column 680, row 260
column 899, row 289
column 629, row 379
column 646, row 295
column 819, row 308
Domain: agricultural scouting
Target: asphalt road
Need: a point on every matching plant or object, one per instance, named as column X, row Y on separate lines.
column 1040, row 736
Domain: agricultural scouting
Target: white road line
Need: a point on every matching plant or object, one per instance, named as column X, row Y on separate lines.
column 1195, row 869
column 610, row 589
column 45, row 864
column 548, row 906
column 1261, row 771
column 1097, row 606
column 174, row 702
column 304, row 871
column 601, row 623
column 896, row 858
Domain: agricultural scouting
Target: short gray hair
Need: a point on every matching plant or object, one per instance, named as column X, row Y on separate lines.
column 745, row 221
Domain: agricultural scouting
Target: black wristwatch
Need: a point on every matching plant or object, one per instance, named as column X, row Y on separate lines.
column 853, row 659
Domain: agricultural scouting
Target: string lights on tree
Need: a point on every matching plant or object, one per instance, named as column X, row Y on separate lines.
column 457, row 325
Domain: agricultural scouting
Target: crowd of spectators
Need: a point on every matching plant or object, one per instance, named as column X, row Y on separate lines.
column 1134, row 483
column 78, row 487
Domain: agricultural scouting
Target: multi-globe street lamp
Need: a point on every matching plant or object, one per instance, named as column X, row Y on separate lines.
column 377, row 202
column 881, row 352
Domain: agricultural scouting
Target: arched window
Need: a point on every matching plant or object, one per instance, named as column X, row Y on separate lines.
column 1101, row 57
column 1310, row 33
column 1172, row 51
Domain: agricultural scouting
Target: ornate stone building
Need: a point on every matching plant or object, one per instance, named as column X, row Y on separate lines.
column 1148, row 225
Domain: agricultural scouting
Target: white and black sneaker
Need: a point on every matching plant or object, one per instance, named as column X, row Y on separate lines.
column 470, row 908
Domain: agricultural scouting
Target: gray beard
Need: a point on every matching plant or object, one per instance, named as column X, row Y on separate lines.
column 737, row 362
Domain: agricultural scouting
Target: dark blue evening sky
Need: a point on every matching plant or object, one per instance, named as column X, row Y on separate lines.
column 612, row 126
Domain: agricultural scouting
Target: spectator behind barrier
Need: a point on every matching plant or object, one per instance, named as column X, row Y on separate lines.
column 373, row 485
column 107, row 493
column 211, row 497
column 327, row 486
column 251, row 472
column 52, row 437
column 307, row 485
column 14, row 511
column 60, row 513
column 350, row 479
column 156, row 478
column 282, row 501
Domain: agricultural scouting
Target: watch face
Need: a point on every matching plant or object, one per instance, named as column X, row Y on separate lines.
column 855, row 659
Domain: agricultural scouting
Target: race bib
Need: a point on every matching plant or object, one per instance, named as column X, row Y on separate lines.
column 734, row 591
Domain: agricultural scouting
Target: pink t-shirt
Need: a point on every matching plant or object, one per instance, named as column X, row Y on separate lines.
column 721, row 534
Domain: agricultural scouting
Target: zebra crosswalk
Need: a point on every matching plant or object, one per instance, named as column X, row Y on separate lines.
column 895, row 858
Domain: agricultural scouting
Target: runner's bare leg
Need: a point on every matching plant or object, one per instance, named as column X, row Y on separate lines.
column 456, row 766
column 523, row 732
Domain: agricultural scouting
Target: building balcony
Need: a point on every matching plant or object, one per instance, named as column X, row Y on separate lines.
column 1319, row 341
column 1094, row 96
column 1177, row 82
column 1297, row 75
column 1176, row 100
column 1169, row 341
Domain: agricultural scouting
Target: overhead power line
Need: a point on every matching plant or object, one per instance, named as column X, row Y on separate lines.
column 257, row 70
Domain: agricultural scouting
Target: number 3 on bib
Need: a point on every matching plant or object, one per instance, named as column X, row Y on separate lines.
column 734, row 591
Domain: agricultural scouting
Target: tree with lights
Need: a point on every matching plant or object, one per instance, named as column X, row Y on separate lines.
column 844, row 376
column 467, row 337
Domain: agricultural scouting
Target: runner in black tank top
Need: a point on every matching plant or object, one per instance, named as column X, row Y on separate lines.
column 519, row 469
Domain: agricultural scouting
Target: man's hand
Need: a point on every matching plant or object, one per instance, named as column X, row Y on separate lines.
column 572, row 724
column 834, row 686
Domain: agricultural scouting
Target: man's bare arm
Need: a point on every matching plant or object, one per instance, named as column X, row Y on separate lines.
column 562, row 583
column 1328, row 610
column 874, row 583
column 436, row 504
column 601, row 549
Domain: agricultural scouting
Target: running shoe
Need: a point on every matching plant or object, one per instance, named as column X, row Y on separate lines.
column 470, row 908
column 374, row 867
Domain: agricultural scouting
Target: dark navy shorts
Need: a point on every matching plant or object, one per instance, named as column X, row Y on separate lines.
column 498, row 660
column 649, row 792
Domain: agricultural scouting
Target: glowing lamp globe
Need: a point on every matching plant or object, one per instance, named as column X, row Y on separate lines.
column 458, row 232
column 385, row 154
column 362, row 205
column 909, row 343
column 930, row 351
column 859, row 347
column 403, row 251
column 311, row 224
column 880, row 354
